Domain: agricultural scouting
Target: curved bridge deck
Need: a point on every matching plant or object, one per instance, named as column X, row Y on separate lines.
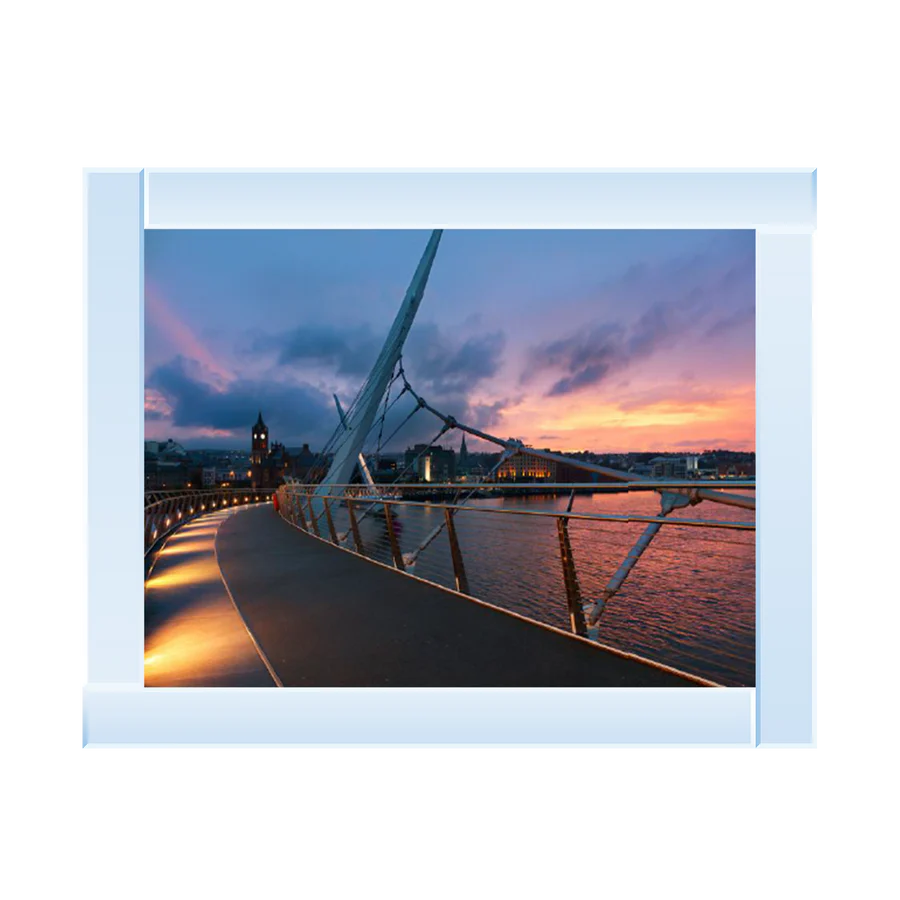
column 316, row 615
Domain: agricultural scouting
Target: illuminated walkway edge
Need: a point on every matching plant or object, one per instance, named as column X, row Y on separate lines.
column 193, row 634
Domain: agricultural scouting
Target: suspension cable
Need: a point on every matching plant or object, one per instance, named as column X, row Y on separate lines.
column 410, row 464
column 387, row 397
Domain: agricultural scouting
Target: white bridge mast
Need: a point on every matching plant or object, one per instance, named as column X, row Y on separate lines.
column 358, row 420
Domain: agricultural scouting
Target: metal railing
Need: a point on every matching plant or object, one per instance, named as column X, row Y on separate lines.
column 164, row 511
column 563, row 566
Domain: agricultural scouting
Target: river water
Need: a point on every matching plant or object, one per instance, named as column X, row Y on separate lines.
column 689, row 602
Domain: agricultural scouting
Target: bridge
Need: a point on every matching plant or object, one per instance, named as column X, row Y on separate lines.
column 258, row 590
column 340, row 581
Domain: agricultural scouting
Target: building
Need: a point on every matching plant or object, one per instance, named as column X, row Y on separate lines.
column 675, row 467
column 524, row 466
column 167, row 466
column 431, row 464
column 232, row 475
column 168, row 450
column 302, row 461
column 259, row 447
column 268, row 464
column 737, row 469
column 272, row 462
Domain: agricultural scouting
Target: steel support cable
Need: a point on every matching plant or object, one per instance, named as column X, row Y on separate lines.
column 393, row 403
column 341, row 433
column 412, row 557
column 387, row 397
column 453, row 423
column 381, row 420
column 393, row 434
column 373, row 505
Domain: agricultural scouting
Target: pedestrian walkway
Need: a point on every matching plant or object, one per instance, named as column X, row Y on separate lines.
column 193, row 634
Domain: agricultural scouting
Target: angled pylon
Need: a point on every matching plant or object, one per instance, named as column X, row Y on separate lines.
column 358, row 420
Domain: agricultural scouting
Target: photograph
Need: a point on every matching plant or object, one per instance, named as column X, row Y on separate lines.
column 458, row 458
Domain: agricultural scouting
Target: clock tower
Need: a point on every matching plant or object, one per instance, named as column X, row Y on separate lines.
column 259, row 448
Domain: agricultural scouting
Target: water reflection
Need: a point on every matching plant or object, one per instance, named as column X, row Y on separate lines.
column 689, row 602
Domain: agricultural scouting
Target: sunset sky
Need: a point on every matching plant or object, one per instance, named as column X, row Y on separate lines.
column 574, row 340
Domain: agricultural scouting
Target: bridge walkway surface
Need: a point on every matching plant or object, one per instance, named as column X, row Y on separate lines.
column 193, row 634
column 321, row 616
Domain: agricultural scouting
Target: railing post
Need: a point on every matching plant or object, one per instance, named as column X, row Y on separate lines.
column 314, row 525
column 354, row 525
column 459, row 569
column 170, row 514
column 570, row 577
column 392, row 537
column 334, row 538
column 297, row 506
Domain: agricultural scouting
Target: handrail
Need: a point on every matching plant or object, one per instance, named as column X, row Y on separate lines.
column 618, row 486
column 184, row 492
column 334, row 515
column 165, row 511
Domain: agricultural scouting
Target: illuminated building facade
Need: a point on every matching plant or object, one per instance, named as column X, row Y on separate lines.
column 525, row 467
column 435, row 464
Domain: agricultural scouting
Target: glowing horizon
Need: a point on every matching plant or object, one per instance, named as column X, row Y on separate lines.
column 604, row 341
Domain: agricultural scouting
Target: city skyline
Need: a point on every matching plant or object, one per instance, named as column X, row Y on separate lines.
column 611, row 341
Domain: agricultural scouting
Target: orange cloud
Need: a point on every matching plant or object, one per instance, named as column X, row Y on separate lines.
column 156, row 404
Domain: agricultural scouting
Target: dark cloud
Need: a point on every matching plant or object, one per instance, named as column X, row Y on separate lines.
column 488, row 415
column 729, row 323
column 423, row 426
column 661, row 323
column 442, row 364
column 695, row 286
column 292, row 410
column 442, row 367
column 584, row 378
column 446, row 371
column 587, row 356
column 347, row 350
